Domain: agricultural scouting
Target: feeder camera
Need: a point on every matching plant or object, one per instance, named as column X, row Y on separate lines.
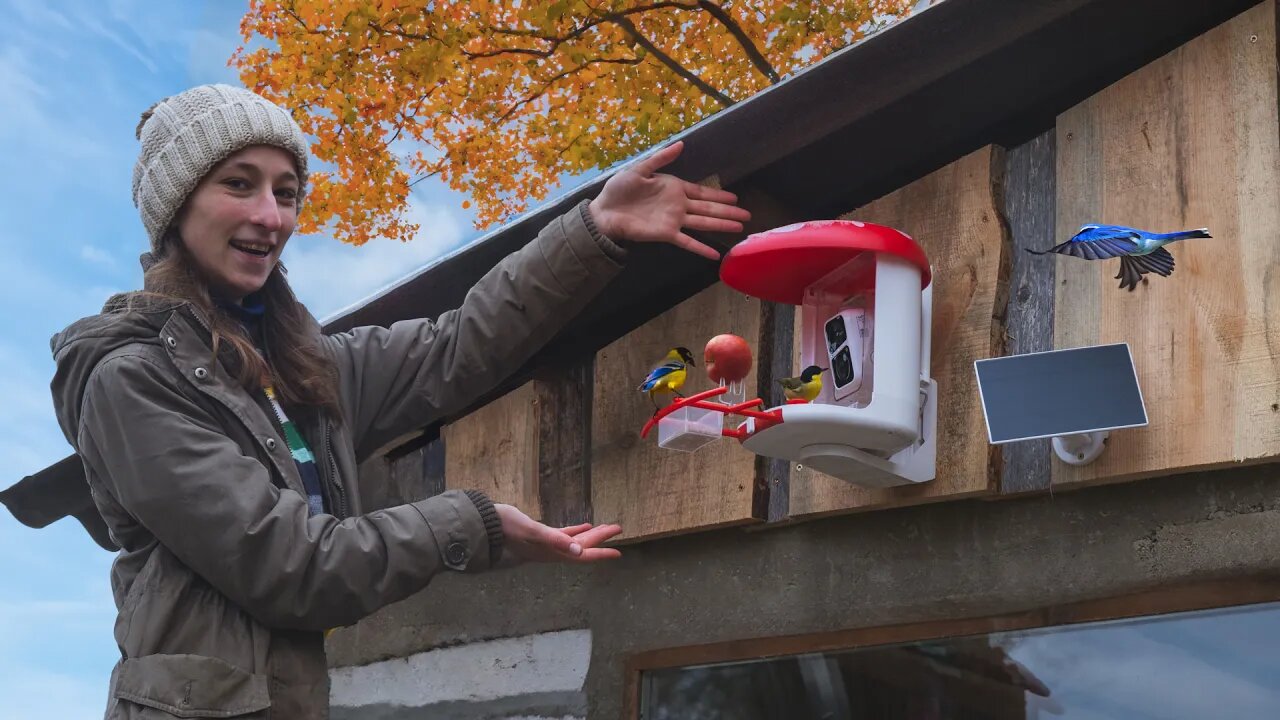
column 846, row 336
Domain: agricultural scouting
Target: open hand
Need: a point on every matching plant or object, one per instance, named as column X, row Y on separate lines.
column 528, row 540
column 642, row 205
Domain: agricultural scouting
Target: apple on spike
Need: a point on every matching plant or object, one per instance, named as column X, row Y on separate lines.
column 727, row 358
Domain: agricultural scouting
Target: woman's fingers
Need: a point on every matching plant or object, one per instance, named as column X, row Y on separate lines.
column 703, row 192
column 549, row 544
column 660, row 159
column 557, row 541
column 594, row 554
column 713, row 209
column 573, row 530
column 701, row 222
column 597, row 535
column 687, row 243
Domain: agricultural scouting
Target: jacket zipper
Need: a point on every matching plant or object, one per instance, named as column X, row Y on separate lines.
column 333, row 469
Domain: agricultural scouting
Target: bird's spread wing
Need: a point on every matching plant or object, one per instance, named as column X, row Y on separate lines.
column 1097, row 242
column 658, row 373
column 1129, row 274
column 1133, row 267
column 1158, row 261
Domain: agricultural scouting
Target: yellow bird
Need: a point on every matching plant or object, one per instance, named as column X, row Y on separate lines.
column 805, row 387
column 669, row 375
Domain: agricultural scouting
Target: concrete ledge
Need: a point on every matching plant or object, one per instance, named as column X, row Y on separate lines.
column 531, row 676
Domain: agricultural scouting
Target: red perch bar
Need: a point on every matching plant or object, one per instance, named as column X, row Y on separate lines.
column 699, row 401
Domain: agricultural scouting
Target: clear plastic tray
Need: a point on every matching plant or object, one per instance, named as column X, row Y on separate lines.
column 689, row 428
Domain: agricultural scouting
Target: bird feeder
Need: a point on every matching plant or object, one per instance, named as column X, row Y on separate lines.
column 865, row 299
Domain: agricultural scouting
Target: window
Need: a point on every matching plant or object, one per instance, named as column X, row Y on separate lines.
column 1192, row 665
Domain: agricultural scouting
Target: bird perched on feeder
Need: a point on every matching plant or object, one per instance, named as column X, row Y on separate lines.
column 806, row 386
column 1140, row 252
column 669, row 375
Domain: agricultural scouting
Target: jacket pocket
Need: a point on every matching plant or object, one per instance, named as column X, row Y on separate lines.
column 187, row 686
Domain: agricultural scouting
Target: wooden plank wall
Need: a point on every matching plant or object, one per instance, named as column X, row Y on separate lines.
column 652, row 491
column 495, row 449
column 1191, row 140
column 955, row 214
column 1188, row 141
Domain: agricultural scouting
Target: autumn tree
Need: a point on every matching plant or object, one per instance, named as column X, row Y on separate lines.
column 502, row 98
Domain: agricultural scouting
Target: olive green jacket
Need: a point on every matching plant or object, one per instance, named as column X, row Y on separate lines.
column 224, row 583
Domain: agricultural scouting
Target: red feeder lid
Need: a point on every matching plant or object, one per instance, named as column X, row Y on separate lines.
column 777, row 265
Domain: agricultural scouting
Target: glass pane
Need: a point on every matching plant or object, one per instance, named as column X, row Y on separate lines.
column 1217, row 664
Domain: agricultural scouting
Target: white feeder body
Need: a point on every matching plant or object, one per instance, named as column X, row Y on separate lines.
column 882, row 435
column 865, row 293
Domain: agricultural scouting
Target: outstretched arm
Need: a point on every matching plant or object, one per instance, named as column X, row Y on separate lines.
column 395, row 380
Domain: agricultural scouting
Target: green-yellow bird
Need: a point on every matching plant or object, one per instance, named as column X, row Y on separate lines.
column 805, row 387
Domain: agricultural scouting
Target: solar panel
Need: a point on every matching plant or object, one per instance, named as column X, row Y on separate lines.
column 1060, row 392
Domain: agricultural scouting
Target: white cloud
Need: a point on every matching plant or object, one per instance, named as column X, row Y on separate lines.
column 97, row 28
column 27, row 119
column 97, row 256
column 35, row 13
column 329, row 276
column 22, row 94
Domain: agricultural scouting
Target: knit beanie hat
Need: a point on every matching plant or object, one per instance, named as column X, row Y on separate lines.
column 184, row 136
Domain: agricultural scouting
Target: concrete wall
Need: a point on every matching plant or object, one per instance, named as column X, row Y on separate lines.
column 946, row 561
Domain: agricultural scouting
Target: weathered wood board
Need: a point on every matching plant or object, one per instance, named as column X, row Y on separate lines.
column 495, row 449
column 1030, row 192
column 954, row 214
column 652, row 491
column 1188, row 141
column 564, row 426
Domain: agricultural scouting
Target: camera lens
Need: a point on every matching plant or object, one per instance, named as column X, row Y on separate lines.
column 843, row 368
column 835, row 333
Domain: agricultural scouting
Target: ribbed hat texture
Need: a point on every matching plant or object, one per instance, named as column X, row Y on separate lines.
column 184, row 136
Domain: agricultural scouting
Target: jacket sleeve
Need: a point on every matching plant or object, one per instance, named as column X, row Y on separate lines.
column 398, row 379
column 163, row 458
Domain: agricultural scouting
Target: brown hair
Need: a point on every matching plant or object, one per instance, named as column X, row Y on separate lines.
column 295, row 364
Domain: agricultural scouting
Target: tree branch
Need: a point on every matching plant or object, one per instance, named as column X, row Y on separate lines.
column 431, row 174
column 557, row 40
column 757, row 58
column 560, row 76
column 675, row 67
column 401, row 33
column 572, row 142
column 302, row 24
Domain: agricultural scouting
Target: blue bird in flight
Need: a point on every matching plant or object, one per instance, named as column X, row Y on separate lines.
column 1140, row 252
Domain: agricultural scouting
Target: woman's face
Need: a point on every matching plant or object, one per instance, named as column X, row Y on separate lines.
column 239, row 217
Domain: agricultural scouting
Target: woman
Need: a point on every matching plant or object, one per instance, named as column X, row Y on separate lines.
column 220, row 430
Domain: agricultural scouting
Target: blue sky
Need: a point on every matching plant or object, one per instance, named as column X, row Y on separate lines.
column 74, row 78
